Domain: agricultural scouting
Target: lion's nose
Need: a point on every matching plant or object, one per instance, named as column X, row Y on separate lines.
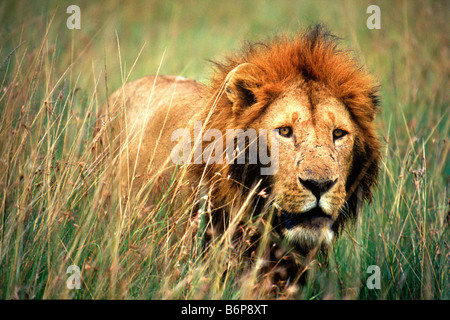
column 317, row 187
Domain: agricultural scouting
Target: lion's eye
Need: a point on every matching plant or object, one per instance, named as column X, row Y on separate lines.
column 338, row 133
column 285, row 131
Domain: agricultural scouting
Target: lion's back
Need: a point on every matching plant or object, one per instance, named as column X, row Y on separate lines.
column 138, row 119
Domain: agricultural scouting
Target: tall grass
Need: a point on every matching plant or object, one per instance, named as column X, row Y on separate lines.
column 61, row 205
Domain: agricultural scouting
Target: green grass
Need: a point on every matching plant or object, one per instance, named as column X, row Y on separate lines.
column 59, row 206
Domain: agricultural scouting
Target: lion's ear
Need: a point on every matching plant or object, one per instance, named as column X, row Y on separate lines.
column 240, row 84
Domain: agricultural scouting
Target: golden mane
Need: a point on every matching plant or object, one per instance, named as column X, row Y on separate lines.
column 314, row 56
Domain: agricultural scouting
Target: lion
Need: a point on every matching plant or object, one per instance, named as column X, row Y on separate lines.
column 314, row 97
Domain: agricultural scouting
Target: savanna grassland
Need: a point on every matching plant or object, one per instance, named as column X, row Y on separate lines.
column 60, row 205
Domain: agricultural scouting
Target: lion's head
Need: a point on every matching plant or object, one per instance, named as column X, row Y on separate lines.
column 322, row 106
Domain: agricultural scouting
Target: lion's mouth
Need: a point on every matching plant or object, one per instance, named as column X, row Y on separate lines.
column 312, row 219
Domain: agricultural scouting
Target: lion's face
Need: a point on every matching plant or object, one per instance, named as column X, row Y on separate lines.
column 316, row 137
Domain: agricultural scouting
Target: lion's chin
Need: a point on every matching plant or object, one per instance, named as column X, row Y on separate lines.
column 309, row 230
column 309, row 239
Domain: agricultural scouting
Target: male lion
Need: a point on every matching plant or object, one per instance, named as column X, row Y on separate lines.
column 315, row 97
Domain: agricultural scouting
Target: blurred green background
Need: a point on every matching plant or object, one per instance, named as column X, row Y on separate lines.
column 409, row 54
